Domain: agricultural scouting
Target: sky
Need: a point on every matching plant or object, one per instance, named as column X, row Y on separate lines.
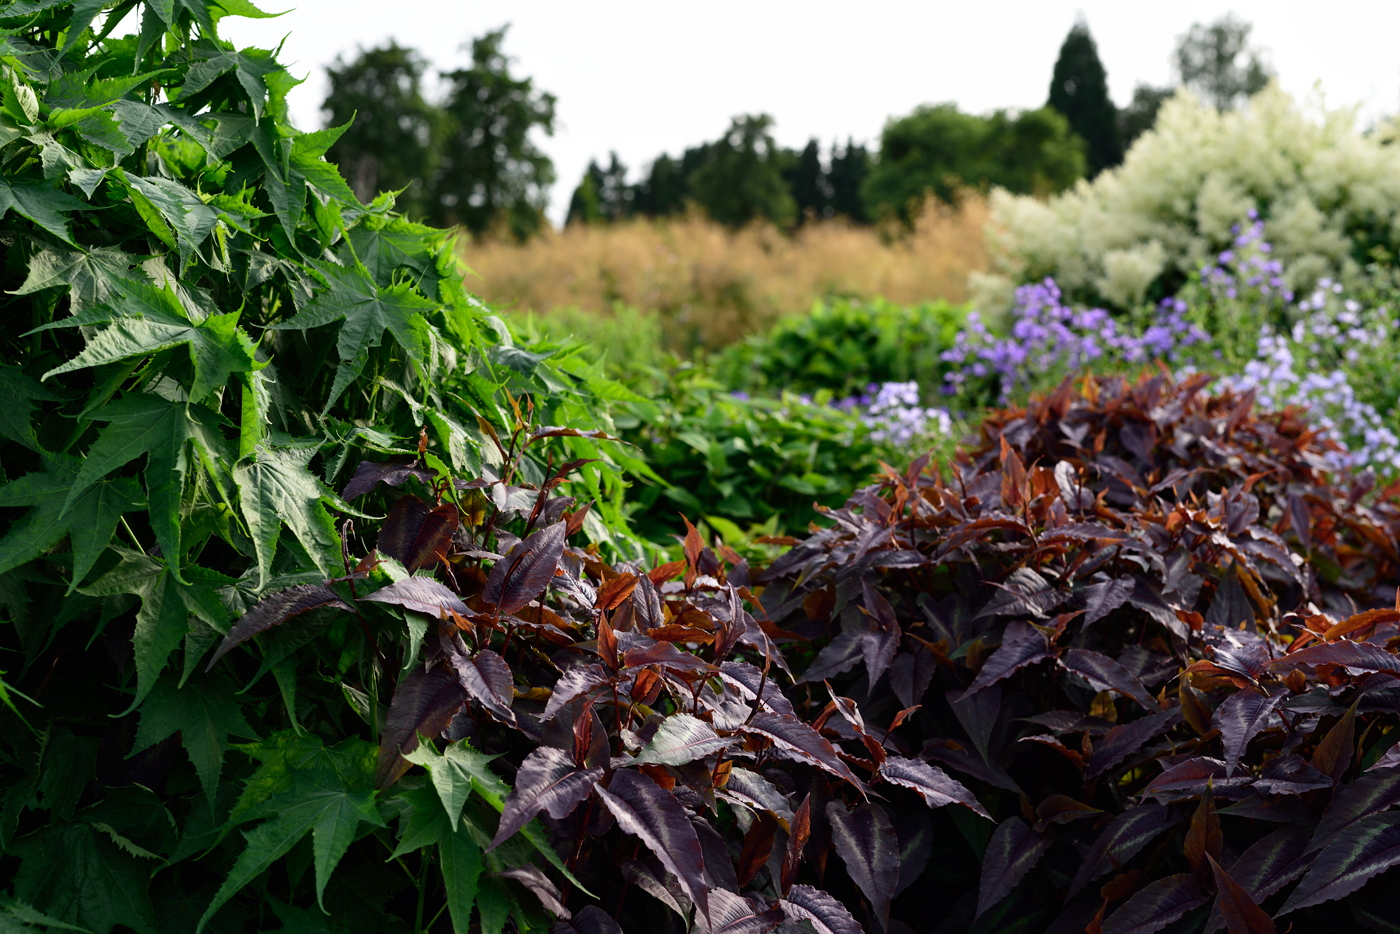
column 644, row 78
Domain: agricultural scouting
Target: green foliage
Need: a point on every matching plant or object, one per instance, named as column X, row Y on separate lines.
column 207, row 326
column 844, row 345
column 1079, row 91
column 1218, row 63
column 939, row 150
column 749, row 461
column 740, row 176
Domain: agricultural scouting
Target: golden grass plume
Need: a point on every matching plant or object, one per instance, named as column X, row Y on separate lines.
column 710, row 286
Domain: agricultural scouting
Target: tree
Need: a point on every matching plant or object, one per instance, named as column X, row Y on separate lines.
column 1079, row 91
column 663, row 191
column 939, row 150
column 603, row 195
column 849, row 167
column 740, row 177
column 807, row 182
column 1141, row 113
column 491, row 169
column 391, row 142
column 1217, row 62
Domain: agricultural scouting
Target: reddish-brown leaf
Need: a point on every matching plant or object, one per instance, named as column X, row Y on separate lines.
column 799, row 831
column 758, row 846
column 416, row 535
column 422, row 595
column 1363, row 620
column 1333, row 754
column 424, row 702
column 1204, row 839
column 488, row 679
column 368, row 474
column 795, row 736
column 664, row 572
column 1241, row 914
column 548, row 780
column 275, row 609
column 614, row 591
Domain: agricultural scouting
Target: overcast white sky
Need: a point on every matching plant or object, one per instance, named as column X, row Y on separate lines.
column 643, row 78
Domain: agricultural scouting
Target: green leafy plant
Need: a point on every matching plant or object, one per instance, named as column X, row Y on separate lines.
column 206, row 328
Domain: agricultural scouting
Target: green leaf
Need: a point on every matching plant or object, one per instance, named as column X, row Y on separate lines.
column 17, row 396
column 319, row 803
column 93, row 276
column 461, row 870
column 77, row 875
column 184, row 211
column 40, row 201
column 143, row 423
column 166, row 605
column 250, row 66
column 89, row 521
column 451, row 774
column 144, row 320
column 425, row 824
column 368, row 311
column 204, row 713
column 16, row 911
column 278, row 488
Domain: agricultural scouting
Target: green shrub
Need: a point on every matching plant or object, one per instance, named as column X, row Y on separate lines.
column 206, row 332
column 843, row 346
column 746, row 460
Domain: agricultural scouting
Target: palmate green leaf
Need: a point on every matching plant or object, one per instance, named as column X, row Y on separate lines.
column 18, row 394
column 282, row 755
column 166, row 605
column 74, row 873
column 368, row 311
column 204, row 713
column 184, row 211
column 143, row 320
column 320, row 802
column 143, row 423
column 89, row 520
column 41, row 202
column 460, row 858
column 17, row 917
column 250, row 66
column 93, row 276
column 425, row 823
column 278, row 488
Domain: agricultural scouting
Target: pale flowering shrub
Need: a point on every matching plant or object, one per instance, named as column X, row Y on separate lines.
column 1315, row 177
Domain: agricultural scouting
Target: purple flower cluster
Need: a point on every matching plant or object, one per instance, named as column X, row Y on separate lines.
column 1047, row 334
column 892, row 413
column 1248, row 262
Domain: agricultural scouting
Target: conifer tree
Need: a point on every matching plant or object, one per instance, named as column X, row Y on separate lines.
column 1079, row 90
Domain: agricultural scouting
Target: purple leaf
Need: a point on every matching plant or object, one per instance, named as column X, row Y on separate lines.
column 826, row 914
column 1021, row 645
column 795, row 736
column 1267, row 866
column 965, row 762
column 1128, row 833
column 1126, row 738
column 1189, row 778
column 424, row 702
column 645, row 810
column 534, row 879
column 748, row 679
column 1025, row 593
column 839, row 656
column 488, row 680
column 1243, row 716
column 421, row 594
column 681, row 738
column 733, row 914
column 525, row 570
column 1248, row 660
column 1368, row 795
column 1290, row 775
column 394, row 473
column 1390, row 760
column 1357, row 658
column 574, row 682
column 549, row 781
column 978, row 712
column 1157, row 905
column 1105, row 597
column 880, row 640
column 910, row 674
column 1012, row 852
column 416, row 535
column 931, row 782
column 657, row 883
column 275, row 609
column 1104, row 674
column 1370, row 847
column 591, row 920
column 868, row 846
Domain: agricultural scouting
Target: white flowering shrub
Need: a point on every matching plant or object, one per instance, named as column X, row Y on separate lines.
column 1329, row 192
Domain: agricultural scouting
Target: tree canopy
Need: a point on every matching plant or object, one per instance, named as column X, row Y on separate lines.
column 1079, row 91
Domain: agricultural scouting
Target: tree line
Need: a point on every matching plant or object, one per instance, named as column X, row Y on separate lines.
column 470, row 158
